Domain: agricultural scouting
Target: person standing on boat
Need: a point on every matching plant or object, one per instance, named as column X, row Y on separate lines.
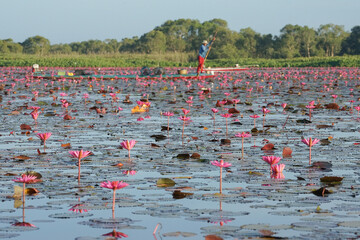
column 202, row 55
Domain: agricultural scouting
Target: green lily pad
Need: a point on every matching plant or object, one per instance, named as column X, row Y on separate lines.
column 165, row 182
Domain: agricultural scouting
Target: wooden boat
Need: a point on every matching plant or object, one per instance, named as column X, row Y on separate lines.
column 111, row 77
column 226, row 69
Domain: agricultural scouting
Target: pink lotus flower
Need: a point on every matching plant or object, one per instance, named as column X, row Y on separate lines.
column 34, row 115
column 114, row 185
column 168, row 114
column 242, row 135
column 26, row 179
column 184, row 118
column 283, row 105
column 128, row 145
column 35, row 108
column 265, row 111
column 79, row 155
column 44, row 137
column 221, row 164
column 185, row 111
column 357, row 108
column 226, row 116
column 278, row 168
column 271, row 160
column 129, row 172
column 254, row 117
column 310, row 142
column 215, row 110
column 334, row 96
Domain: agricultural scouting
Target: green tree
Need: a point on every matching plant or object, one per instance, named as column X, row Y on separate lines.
column 153, row 42
column 351, row 45
column 36, row 45
column 247, row 42
column 289, row 41
column 60, row 49
column 112, row 46
column 129, row 45
column 265, row 46
column 330, row 38
column 308, row 40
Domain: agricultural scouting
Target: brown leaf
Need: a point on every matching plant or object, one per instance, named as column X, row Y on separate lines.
column 66, row 145
column 195, row 155
column 233, row 111
column 213, row 237
column 286, row 152
column 25, row 127
column 332, row 106
column 68, row 117
column 22, row 157
column 177, row 194
column 15, row 112
column 268, row 146
column 329, row 179
column 266, row 233
column 154, row 145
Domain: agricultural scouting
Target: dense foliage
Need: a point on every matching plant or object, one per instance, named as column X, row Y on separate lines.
column 186, row 35
column 168, row 60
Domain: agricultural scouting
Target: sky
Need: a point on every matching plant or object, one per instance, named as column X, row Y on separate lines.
column 69, row 21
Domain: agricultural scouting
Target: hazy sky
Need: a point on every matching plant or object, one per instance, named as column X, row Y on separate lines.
column 68, row 21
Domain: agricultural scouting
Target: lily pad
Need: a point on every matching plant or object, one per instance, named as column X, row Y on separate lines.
column 165, row 182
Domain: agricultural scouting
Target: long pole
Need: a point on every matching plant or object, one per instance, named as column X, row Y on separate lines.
column 209, row 48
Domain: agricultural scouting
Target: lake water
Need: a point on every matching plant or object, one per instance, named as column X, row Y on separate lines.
column 252, row 204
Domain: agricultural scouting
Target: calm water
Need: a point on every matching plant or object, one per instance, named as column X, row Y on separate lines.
column 252, row 205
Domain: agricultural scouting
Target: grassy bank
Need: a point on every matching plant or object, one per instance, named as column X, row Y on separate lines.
column 168, row 60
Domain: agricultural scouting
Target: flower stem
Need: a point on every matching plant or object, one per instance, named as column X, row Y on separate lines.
column 113, row 204
column 220, row 180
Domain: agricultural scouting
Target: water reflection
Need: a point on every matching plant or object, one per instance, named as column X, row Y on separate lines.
column 23, row 223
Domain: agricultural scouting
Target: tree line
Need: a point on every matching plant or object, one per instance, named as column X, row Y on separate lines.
column 186, row 35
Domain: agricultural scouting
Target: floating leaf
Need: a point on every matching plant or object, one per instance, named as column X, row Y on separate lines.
column 321, row 192
column 25, row 127
column 177, row 194
column 286, row 152
column 323, row 126
column 268, row 146
column 22, row 157
column 165, row 182
column 255, row 173
column 333, row 180
column 213, row 237
column 179, row 234
column 66, row 145
column 18, row 191
column 183, row 156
